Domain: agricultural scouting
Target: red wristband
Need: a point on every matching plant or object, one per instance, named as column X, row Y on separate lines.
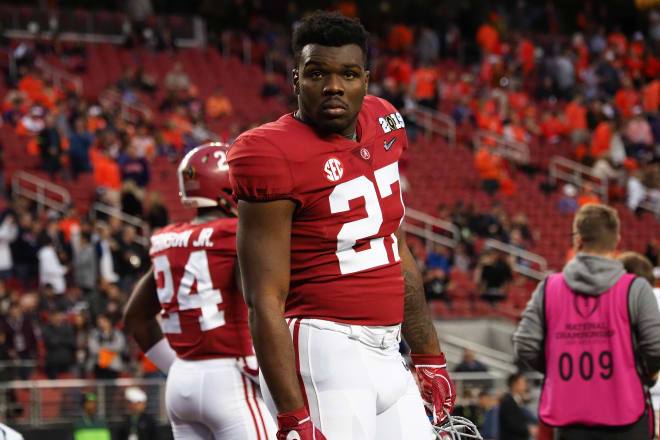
column 428, row 359
column 292, row 419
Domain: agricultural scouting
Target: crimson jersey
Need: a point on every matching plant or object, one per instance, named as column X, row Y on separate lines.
column 344, row 257
column 204, row 315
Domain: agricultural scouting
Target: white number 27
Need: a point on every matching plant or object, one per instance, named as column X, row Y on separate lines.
column 350, row 260
column 206, row 299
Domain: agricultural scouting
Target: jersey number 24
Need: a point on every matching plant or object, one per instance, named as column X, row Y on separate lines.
column 206, row 299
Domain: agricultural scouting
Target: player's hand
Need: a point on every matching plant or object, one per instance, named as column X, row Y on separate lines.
column 436, row 387
column 297, row 425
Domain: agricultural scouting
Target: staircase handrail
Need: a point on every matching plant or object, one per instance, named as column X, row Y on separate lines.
column 523, row 254
column 40, row 194
column 426, row 232
column 435, row 122
column 575, row 176
column 431, row 221
column 142, row 238
column 60, row 75
column 505, row 147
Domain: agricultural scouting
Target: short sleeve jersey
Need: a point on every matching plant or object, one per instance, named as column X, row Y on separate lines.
column 204, row 315
column 345, row 264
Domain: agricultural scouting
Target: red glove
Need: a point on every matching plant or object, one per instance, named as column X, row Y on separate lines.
column 437, row 388
column 297, row 425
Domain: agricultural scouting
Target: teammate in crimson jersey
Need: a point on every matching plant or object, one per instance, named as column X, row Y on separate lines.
column 330, row 284
column 210, row 363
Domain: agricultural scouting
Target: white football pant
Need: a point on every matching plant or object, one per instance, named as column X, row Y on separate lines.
column 356, row 383
column 213, row 400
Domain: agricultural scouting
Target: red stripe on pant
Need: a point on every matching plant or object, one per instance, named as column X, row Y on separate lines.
column 247, row 400
column 256, row 403
column 296, row 348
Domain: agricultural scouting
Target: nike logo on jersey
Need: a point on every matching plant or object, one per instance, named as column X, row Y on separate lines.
column 389, row 144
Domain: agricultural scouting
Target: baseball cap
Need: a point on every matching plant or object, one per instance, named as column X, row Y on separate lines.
column 90, row 397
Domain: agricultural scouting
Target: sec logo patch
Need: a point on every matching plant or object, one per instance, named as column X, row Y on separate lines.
column 365, row 154
column 333, row 169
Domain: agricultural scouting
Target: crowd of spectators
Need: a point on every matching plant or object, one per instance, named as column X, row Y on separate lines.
column 64, row 278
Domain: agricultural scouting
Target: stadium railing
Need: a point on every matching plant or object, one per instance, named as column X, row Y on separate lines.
column 515, row 151
column 91, row 26
column 141, row 225
column 434, row 123
column 581, row 176
column 434, row 230
column 46, row 194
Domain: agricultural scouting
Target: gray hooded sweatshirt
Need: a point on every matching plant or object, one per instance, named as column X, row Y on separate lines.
column 593, row 275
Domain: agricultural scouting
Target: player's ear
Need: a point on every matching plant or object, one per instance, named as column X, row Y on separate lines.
column 295, row 77
column 366, row 81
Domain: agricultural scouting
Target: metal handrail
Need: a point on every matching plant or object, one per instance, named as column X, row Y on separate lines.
column 576, row 175
column 525, row 255
column 430, row 221
column 59, row 75
column 505, row 147
column 40, row 195
column 18, row 363
column 436, row 122
column 481, row 349
column 426, row 232
column 143, row 226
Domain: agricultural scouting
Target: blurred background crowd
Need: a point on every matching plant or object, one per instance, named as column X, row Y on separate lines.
column 578, row 79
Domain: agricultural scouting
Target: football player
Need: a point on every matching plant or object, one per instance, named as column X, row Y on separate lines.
column 207, row 354
column 330, row 284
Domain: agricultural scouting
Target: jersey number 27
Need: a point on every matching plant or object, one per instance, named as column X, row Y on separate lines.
column 350, row 260
column 206, row 299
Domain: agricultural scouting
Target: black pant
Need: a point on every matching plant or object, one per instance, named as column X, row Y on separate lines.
column 637, row 431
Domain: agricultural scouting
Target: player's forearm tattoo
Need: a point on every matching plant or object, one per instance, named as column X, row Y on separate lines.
column 417, row 325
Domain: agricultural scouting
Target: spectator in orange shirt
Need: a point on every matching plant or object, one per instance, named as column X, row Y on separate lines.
column 488, row 38
column 401, row 37
column 618, row 41
column 626, row 98
column 526, row 55
column 588, row 196
column 31, row 85
column 424, row 85
column 576, row 120
column 600, row 140
column 106, row 172
column 651, row 96
column 218, row 104
column 400, row 69
column 552, row 127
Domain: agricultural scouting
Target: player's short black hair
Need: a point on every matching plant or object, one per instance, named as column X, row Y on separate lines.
column 328, row 29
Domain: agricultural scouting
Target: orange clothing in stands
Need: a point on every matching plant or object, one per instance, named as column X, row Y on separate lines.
column 651, row 96
column 66, row 226
column 625, row 100
column 576, row 117
column 600, row 140
column 426, row 80
column 588, row 198
column 488, row 38
column 217, row 106
column 106, row 173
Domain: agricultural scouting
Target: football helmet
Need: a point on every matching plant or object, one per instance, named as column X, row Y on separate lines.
column 204, row 178
column 457, row 428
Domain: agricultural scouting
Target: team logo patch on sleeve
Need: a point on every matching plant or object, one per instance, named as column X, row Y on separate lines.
column 393, row 121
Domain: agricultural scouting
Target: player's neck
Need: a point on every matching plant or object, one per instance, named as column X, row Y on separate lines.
column 297, row 115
